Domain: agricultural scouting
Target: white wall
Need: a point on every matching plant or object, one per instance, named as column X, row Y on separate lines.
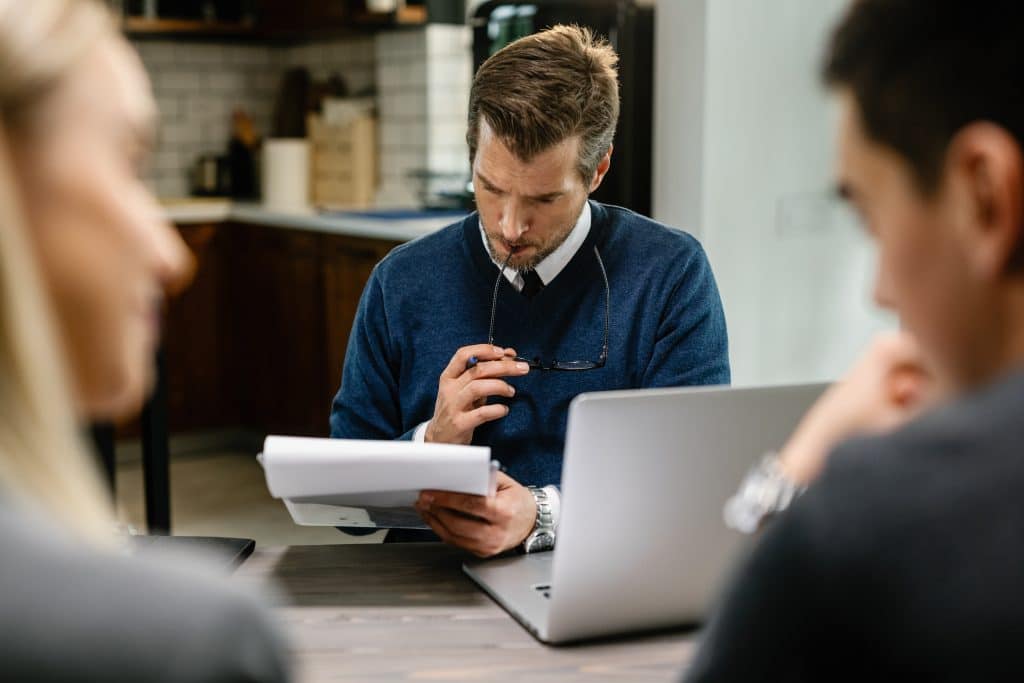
column 743, row 157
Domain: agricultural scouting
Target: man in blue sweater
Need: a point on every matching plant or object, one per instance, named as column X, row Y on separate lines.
column 485, row 331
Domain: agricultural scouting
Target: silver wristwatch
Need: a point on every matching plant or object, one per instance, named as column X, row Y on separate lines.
column 766, row 491
column 543, row 535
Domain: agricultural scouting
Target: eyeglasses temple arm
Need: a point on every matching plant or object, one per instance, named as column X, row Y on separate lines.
column 494, row 298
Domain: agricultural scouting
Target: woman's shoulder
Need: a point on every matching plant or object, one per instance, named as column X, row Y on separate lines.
column 114, row 617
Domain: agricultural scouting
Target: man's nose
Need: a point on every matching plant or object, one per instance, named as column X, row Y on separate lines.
column 513, row 224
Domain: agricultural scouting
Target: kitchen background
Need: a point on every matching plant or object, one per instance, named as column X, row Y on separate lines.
column 256, row 345
column 419, row 76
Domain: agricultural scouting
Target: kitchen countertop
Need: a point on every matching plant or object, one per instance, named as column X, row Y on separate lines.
column 392, row 226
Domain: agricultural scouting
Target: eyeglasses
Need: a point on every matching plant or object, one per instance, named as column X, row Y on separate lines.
column 570, row 365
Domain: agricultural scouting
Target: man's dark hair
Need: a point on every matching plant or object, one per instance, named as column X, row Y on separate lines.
column 545, row 88
column 921, row 70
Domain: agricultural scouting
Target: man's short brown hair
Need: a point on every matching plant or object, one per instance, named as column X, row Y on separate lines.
column 546, row 88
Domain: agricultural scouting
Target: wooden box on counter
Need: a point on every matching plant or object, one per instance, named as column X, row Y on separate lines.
column 343, row 161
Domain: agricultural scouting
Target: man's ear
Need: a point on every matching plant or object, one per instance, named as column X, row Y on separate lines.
column 602, row 169
column 989, row 162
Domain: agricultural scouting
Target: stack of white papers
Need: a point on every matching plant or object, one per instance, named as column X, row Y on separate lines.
column 343, row 482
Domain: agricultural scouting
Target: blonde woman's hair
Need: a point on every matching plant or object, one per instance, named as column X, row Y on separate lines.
column 44, row 461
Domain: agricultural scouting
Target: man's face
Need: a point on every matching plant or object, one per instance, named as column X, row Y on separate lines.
column 529, row 208
column 923, row 244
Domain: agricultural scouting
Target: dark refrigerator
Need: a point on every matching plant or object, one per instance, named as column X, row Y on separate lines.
column 630, row 30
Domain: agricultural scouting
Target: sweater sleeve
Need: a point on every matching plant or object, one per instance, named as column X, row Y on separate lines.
column 692, row 346
column 367, row 403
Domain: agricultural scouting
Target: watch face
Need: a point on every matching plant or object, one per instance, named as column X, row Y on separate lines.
column 543, row 540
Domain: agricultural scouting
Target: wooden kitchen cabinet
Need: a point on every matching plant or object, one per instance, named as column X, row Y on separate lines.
column 348, row 263
column 280, row 21
column 276, row 298
column 259, row 340
column 194, row 337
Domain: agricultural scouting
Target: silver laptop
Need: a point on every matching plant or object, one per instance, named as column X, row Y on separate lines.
column 641, row 542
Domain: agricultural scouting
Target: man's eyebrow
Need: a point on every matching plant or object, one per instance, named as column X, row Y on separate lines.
column 540, row 197
column 548, row 196
column 484, row 179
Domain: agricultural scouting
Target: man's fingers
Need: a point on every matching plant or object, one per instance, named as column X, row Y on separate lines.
column 443, row 532
column 460, row 526
column 484, row 388
column 441, row 523
column 482, row 352
column 495, row 369
column 478, row 506
column 470, row 420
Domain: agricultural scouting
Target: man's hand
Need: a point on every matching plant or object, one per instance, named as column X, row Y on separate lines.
column 888, row 386
column 462, row 393
column 483, row 525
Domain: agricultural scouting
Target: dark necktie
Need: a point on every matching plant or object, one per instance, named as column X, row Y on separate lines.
column 531, row 284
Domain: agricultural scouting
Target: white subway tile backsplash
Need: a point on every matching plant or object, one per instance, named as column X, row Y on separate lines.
column 447, row 133
column 421, row 76
column 229, row 81
column 447, row 39
column 168, row 159
column 199, row 54
column 204, row 107
column 446, row 105
column 449, row 159
column 178, row 133
column 156, row 53
column 172, row 186
column 400, row 194
column 450, row 72
column 248, row 55
column 404, row 162
column 360, row 79
column 169, row 108
column 262, row 82
column 184, row 81
column 395, row 45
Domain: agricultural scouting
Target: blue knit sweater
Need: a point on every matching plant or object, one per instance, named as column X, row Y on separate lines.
column 431, row 296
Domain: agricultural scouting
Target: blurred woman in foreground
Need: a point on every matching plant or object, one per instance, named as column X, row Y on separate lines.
column 85, row 259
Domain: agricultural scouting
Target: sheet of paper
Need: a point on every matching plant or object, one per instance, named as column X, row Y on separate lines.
column 342, row 482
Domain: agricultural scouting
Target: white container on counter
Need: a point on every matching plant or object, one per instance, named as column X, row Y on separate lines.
column 286, row 173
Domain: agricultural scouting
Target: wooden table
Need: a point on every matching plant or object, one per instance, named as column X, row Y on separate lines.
column 407, row 612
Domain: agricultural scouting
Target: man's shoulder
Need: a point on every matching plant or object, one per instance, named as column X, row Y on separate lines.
column 634, row 231
column 426, row 252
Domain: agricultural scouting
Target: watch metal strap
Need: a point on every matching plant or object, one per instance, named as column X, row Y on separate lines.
column 543, row 535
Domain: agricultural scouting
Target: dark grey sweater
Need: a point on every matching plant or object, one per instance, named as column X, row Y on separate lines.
column 68, row 613
column 905, row 559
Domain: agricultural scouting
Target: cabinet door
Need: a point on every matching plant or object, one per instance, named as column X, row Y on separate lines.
column 348, row 263
column 193, row 337
column 278, row 359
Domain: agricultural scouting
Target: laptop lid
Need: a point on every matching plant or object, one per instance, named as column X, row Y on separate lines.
column 641, row 541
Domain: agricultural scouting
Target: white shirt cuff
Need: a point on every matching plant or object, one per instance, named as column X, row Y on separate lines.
column 420, row 435
column 555, row 501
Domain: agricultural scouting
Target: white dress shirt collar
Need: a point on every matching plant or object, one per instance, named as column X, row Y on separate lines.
column 556, row 261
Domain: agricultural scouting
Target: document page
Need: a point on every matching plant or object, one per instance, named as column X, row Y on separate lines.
column 344, row 482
